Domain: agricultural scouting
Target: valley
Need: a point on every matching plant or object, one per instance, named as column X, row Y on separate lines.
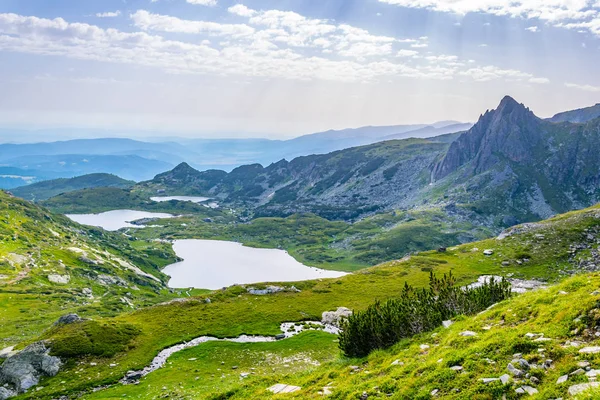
column 157, row 269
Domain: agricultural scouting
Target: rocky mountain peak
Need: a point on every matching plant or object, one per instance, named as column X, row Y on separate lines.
column 509, row 131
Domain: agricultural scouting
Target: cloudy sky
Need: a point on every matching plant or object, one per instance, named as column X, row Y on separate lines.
column 279, row 68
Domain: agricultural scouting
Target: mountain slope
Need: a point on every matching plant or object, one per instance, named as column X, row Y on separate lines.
column 342, row 184
column 580, row 115
column 50, row 266
column 46, row 189
column 514, row 162
column 550, row 250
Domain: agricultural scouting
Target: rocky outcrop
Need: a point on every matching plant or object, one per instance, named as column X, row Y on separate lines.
column 68, row 319
column 24, row 369
column 336, row 317
column 510, row 131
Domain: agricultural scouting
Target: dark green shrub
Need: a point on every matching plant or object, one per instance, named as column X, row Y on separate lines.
column 416, row 310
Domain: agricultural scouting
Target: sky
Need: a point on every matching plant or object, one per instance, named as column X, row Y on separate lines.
column 278, row 69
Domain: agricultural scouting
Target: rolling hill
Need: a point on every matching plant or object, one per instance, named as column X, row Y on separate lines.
column 46, row 189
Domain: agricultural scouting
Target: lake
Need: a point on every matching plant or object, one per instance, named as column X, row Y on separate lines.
column 193, row 199
column 116, row 219
column 213, row 264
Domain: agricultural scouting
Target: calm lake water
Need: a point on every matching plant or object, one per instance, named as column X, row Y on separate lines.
column 193, row 199
column 213, row 264
column 116, row 219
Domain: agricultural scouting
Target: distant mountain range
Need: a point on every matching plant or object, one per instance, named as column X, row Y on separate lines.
column 140, row 160
column 510, row 166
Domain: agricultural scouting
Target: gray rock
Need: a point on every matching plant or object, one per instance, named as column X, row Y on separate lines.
column 514, row 371
column 6, row 394
column 68, row 319
column 582, row 387
column 468, row 334
column 524, row 365
column 562, row 379
column 578, row 372
column 529, row 390
column 335, row 317
column 534, row 380
column 505, row 379
column 24, row 369
column 447, row 323
column 488, row 380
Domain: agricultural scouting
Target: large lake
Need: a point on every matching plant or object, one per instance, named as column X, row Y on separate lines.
column 193, row 199
column 116, row 219
column 213, row 264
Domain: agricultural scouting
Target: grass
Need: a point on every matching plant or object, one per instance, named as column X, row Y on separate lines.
column 216, row 367
column 233, row 311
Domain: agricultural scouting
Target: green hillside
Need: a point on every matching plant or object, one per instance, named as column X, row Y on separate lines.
column 46, row 189
column 50, row 266
column 550, row 251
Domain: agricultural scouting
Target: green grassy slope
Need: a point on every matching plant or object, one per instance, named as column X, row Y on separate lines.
column 46, row 189
column 106, row 273
column 550, row 250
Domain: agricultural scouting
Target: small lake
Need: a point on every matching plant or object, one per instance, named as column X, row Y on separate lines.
column 116, row 219
column 193, row 199
column 213, row 264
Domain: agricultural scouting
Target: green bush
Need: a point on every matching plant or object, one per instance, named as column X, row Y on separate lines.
column 416, row 310
column 91, row 338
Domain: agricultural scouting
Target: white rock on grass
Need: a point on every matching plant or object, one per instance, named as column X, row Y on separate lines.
column 590, row 350
column 60, row 279
column 447, row 324
column 283, row 388
column 530, row 390
column 335, row 317
column 562, row 379
column 582, row 387
column 468, row 334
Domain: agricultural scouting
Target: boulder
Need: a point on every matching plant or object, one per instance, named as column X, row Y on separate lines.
column 6, row 394
column 335, row 317
column 68, row 319
column 24, row 369
column 60, row 279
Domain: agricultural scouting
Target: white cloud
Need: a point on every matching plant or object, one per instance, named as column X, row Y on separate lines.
column 407, row 53
column 203, row 2
column 163, row 23
column 419, row 45
column 565, row 13
column 539, row 80
column 586, row 88
column 278, row 45
column 109, row 14
column 241, row 10
column 533, row 29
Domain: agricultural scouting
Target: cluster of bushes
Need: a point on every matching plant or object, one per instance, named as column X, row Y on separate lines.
column 416, row 310
column 91, row 338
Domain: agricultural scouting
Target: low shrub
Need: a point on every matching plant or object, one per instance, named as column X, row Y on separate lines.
column 416, row 310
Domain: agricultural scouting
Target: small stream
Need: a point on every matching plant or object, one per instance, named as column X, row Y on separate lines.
column 288, row 330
